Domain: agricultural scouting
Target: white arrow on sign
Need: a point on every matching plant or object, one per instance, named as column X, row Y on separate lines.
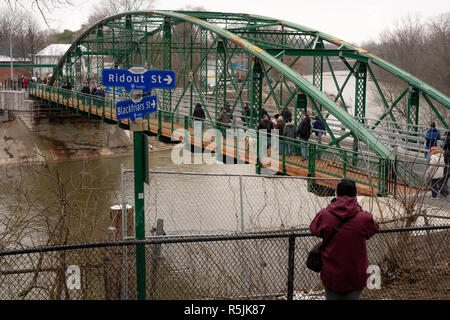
column 168, row 79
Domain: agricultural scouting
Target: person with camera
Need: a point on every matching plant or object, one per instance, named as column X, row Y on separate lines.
column 344, row 259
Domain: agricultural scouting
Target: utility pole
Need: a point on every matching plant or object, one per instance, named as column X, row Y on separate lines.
column 10, row 54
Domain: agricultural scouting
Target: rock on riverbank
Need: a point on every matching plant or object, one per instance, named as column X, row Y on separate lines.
column 17, row 144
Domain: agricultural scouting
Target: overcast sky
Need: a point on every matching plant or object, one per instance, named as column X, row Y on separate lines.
column 351, row 20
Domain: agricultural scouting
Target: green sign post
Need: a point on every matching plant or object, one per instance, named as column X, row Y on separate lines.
column 139, row 80
column 140, row 143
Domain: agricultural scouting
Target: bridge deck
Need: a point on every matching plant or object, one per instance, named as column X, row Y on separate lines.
column 293, row 166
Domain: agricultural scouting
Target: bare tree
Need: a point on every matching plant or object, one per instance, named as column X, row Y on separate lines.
column 108, row 8
column 30, row 38
column 418, row 46
column 43, row 6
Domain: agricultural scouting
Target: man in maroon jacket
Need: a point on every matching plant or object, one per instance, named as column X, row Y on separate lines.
column 344, row 260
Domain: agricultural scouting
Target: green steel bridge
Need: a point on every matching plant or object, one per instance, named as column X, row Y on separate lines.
column 234, row 58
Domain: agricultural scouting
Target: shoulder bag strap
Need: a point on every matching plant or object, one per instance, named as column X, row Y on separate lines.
column 336, row 229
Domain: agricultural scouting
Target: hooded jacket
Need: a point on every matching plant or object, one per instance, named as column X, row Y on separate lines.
column 289, row 130
column 446, row 146
column 437, row 165
column 199, row 112
column 344, row 260
column 318, row 125
column 304, row 129
column 431, row 137
column 223, row 116
column 266, row 125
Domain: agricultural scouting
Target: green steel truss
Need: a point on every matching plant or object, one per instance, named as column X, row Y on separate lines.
column 238, row 58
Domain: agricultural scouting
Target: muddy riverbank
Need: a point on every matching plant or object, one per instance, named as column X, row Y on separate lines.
column 25, row 141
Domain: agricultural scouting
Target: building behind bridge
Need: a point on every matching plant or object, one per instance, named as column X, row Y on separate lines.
column 5, row 62
column 49, row 55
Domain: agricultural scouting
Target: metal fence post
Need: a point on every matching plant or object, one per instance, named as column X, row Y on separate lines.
column 283, row 155
column 159, row 124
column 242, row 203
column 291, row 268
column 139, row 167
column 258, row 151
column 430, row 244
column 243, row 262
column 311, row 166
column 156, row 257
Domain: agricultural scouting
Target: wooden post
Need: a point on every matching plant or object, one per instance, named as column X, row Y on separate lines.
column 125, row 261
column 155, row 267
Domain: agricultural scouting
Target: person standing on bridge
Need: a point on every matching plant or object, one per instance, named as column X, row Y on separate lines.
column 344, row 260
column 100, row 92
column 25, row 83
column 431, row 137
column 435, row 172
column 223, row 121
column 267, row 126
column 245, row 114
column 263, row 112
column 199, row 113
column 319, row 130
column 286, row 114
column 304, row 132
column 289, row 131
column 446, row 148
column 85, row 90
column 67, row 85
column 228, row 110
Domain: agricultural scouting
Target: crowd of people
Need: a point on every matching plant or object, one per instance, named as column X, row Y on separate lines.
column 282, row 122
column 438, row 171
column 23, row 80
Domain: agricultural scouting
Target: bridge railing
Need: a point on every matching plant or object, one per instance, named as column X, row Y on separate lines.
column 364, row 167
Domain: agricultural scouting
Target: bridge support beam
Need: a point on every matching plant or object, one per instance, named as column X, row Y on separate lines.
column 360, row 90
column 318, row 71
column 167, row 61
column 204, row 64
column 129, row 35
column 256, row 82
column 69, row 68
column 300, row 108
column 413, row 109
column 100, row 61
column 221, row 76
column 360, row 100
column 256, row 91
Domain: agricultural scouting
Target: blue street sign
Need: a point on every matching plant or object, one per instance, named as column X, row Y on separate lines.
column 139, row 78
column 130, row 109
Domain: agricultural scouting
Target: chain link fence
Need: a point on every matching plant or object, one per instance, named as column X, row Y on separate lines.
column 205, row 203
column 222, row 236
column 403, row 264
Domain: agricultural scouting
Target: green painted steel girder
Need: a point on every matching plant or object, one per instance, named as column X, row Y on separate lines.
column 215, row 21
column 407, row 77
column 352, row 54
column 360, row 131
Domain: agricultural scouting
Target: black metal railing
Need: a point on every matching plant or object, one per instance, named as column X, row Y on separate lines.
column 411, row 263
